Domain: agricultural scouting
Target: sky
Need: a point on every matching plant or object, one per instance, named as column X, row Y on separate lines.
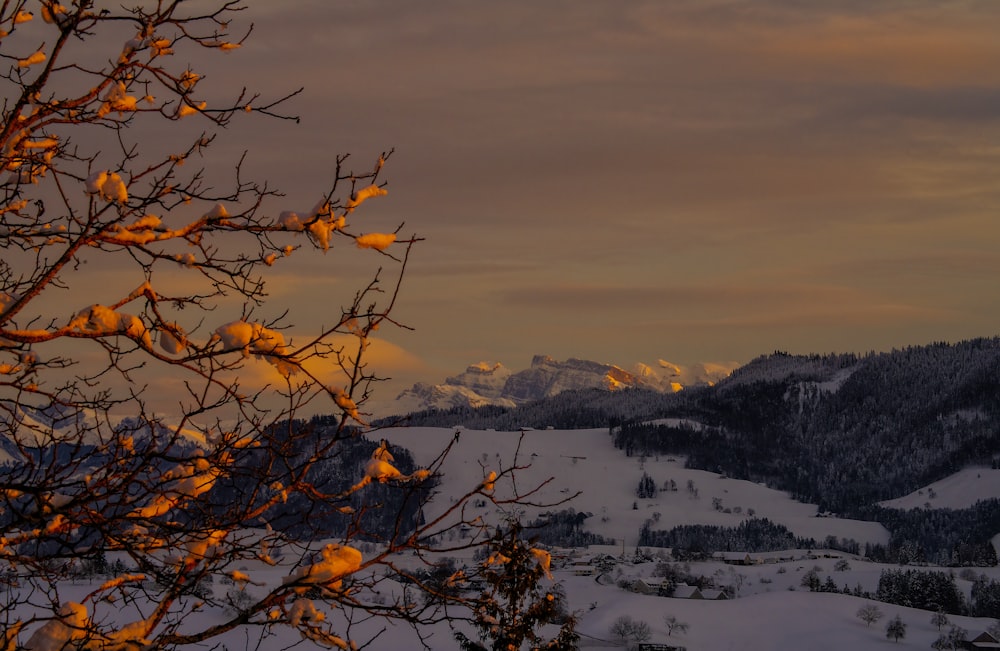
column 628, row 181
column 692, row 181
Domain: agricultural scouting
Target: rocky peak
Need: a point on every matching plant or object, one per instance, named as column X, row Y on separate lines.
column 493, row 383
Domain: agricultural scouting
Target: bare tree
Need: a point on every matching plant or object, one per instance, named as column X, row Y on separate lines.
column 151, row 409
column 674, row 625
column 869, row 614
column 631, row 632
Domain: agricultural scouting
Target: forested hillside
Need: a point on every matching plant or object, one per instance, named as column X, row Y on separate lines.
column 841, row 434
column 837, row 430
column 581, row 409
column 841, row 431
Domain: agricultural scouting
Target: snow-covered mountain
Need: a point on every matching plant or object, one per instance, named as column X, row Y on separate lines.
column 35, row 427
column 488, row 383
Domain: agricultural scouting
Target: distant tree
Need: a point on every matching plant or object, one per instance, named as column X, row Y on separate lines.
column 869, row 614
column 811, row 581
column 629, row 631
column 953, row 638
column 842, row 566
column 985, row 597
column 940, row 619
column 647, row 487
column 895, row 629
column 929, row 590
column 692, row 489
column 737, row 579
column 674, row 625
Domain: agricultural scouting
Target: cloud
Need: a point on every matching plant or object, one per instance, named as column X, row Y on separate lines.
column 814, row 316
column 702, row 313
column 383, row 358
column 587, row 168
column 481, row 264
column 957, row 264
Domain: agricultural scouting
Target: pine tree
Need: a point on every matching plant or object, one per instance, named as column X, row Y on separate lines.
column 516, row 602
column 953, row 639
column 647, row 487
column 895, row 629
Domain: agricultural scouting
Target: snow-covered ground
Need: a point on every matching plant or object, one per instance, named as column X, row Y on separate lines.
column 587, row 461
column 772, row 611
column 958, row 491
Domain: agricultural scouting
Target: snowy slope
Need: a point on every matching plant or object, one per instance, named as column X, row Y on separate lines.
column 958, row 491
column 772, row 612
column 585, row 461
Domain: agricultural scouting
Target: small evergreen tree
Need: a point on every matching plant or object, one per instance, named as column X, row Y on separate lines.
column 954, row 638
column 895, row 629
column 811, row 580
column 647, row 487
column 515, row 603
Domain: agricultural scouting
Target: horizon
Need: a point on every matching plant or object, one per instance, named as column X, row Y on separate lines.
column 694, row 182
column 690, row 182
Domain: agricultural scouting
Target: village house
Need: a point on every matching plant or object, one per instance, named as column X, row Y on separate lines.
column 647, row 586
column 685, row 591
column 982, row 641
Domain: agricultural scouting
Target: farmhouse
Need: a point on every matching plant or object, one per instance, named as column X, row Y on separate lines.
column 685, row 591
column 735, row 558
column 647, row 586
column 982, row 641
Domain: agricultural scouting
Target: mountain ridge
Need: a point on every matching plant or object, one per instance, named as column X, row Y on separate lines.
column 491, row 383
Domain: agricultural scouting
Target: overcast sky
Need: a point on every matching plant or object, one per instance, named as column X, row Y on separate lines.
column 625, row 181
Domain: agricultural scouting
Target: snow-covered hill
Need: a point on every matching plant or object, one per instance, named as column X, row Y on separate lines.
column 586, row 462
column 771, row 610
column 33, row 427
column 958, row 491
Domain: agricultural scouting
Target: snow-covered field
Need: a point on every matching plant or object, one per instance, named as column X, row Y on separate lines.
column 772, row 611
column 587, row 461
column 958, row 491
